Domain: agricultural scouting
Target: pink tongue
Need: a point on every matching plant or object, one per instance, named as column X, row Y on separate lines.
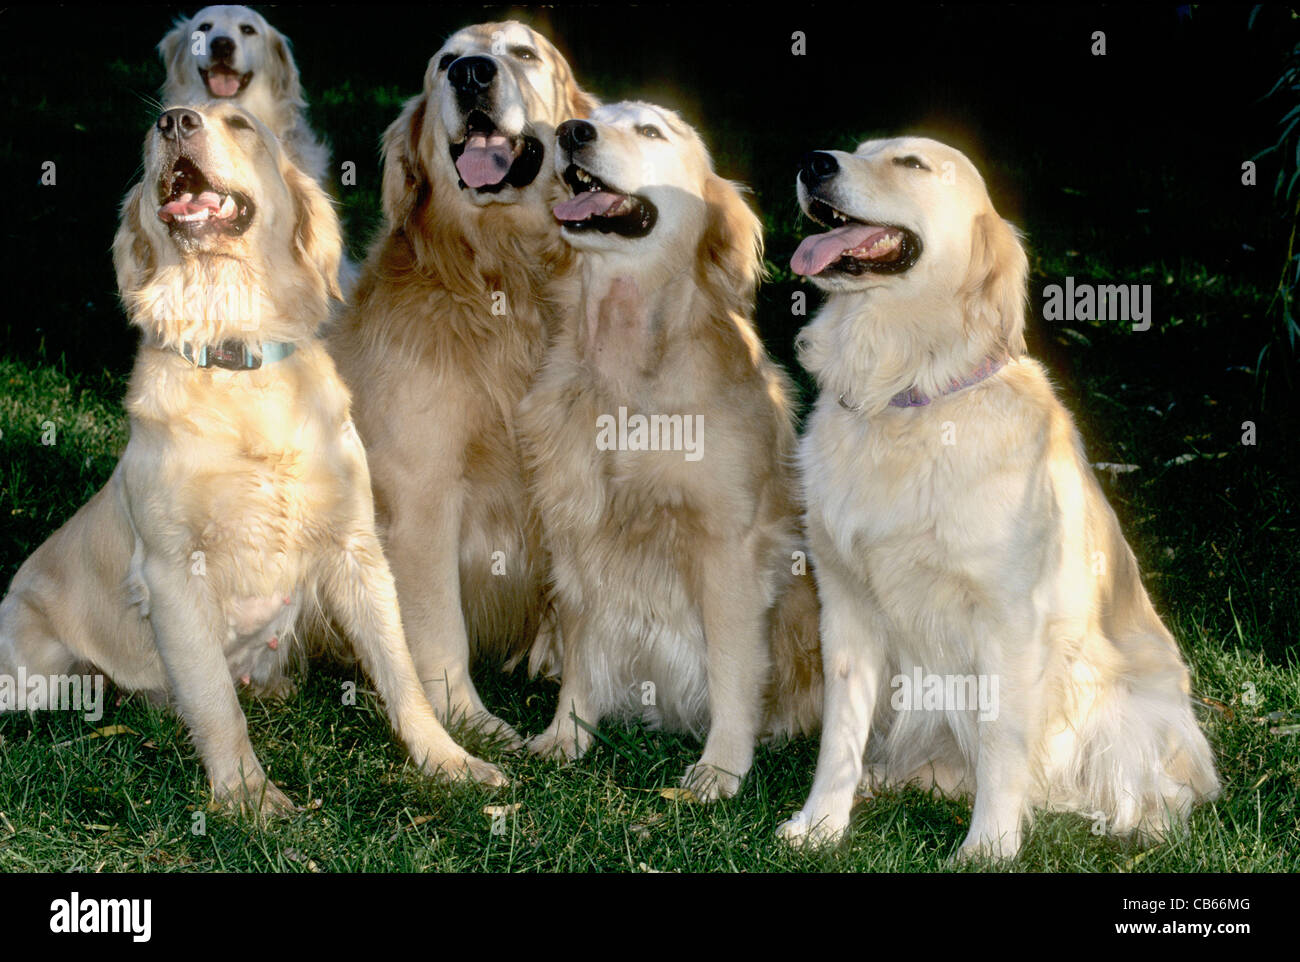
column 222, row 83
column 590, row 203
column 485, row 160
column 189, row 204
column 817, row 251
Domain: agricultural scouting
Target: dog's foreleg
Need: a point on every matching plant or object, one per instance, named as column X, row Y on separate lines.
column 423, row 542
column 569, row 734
column 1003, row 777
column 358, row 587
column 853, row 663
column 189, row 629
column 738, row 659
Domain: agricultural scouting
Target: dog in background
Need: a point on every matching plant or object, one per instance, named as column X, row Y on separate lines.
column 957, row 530
column 673, row 555
column 446, row 330
column 244, row 59
column 242, row 501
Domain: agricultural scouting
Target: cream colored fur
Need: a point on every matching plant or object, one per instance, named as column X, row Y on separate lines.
column 670, row 571
column 274, row 92
column 242, row 501
column 969, row 536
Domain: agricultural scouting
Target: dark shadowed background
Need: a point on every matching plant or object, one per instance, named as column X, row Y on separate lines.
column 1122, row 168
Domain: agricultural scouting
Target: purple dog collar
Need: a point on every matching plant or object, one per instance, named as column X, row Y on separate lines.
column 913, row 398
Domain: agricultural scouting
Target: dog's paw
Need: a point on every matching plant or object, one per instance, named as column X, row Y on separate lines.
column 499, row 734
column 469, row 768
column 987, row 846
column 560, row 744
column 257, row 797
column 806, row 831
column 709, row 783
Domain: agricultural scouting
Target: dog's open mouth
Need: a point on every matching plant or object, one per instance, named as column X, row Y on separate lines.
column 597, row 206
column 488, row 160
column 222, row 81
column 853, row 246
column 192, row 205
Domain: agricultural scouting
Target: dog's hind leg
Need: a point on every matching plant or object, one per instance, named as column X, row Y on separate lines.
column 29, row 650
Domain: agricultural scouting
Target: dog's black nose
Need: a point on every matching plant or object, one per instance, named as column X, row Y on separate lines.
column 573, row 134
column 179, row 123
column 817, row 167
column 472, row 74
column 222, row 48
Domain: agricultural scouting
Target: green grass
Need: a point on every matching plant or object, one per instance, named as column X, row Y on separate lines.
column 1217, row 537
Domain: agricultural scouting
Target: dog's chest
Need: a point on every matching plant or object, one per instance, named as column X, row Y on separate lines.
column 255, row 498
column 920, row 511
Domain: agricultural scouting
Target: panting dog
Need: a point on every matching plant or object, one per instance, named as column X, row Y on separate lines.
column 446, row 330
column 958, row 533
column 242, row 502
column 228, row 52
column 660, row 437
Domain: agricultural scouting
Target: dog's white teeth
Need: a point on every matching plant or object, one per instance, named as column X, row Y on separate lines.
column 584, row 176
column 196, row 216
column 227, row 207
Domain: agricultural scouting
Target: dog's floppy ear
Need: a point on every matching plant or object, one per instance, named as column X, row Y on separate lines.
column 317, row 236
column 731, row 248
column 994, row 290
column 133, row 257
column 405, row 178
column 578, row 102
column 286, row 83
column 174, row 49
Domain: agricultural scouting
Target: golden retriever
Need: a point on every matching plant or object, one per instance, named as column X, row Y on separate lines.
column 661, row 440
column 231, row 53
column 443, row 337
column 982, row 616
column 243, row 498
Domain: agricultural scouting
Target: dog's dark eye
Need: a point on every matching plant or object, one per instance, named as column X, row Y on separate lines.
column 524, row 53
column 204, row 27
column 248, row 30
column 651, row 131
column 912, row 161
column 236, row 122
column 448, row 60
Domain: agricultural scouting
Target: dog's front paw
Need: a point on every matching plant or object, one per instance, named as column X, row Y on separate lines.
column 987, row 845
column 257, row 796
column 501, row 736
column 709, row 783
column 563, row 743
column 467, row 767
column 811, row 831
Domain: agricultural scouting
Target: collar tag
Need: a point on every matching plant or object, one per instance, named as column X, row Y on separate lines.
column 235, row 355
